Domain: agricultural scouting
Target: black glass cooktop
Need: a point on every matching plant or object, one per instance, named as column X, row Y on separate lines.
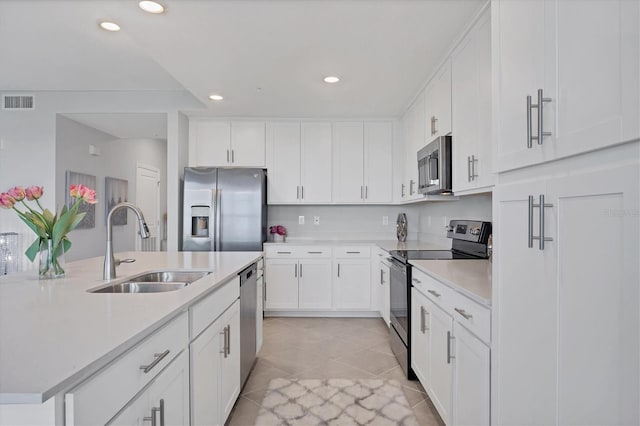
column 406, row 255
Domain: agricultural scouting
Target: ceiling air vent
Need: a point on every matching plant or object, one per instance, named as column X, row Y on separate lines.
column 17, row 102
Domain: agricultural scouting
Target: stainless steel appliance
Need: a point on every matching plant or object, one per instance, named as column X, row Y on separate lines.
column 469, row 242
column 224, row 209
column 434, row 167
column 248, row 303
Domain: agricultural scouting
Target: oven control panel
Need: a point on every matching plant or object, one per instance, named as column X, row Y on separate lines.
column 469, row 230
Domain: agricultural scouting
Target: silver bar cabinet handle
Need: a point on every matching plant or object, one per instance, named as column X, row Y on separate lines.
column 464, row 313
column 162, row 412
column 366, row 192
column 473, row 168
column 541, row 101
column 284, row 252
column 361, row 192
column 228, row 339
column 295, row 271
column 353, row 252
column 435, row 293
column 154, row 410
column 422, row 326
column 542, row 238
column 338, row 270
column 530, row 224
column 381, row 277
column 233, row 156
column 224, row 341
column 158, row 358
column 302, row 192
column 298, row 192
column 468, row 169
column 402, row 190
column 529, row 136
column 449, row 356
column 411, row 187
column 301, row 270
column 227, row 156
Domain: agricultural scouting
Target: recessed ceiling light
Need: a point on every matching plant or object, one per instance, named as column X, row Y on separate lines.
column 215, row 97
column 331, row 79
column 109, row 26
column 151, row 7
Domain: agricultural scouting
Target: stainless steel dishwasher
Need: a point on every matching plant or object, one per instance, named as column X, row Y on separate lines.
column 248, row 303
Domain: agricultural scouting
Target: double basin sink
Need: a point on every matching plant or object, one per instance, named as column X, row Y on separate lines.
column 153, row 282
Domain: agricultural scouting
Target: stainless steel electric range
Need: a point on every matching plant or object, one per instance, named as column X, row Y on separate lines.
column 469, row 242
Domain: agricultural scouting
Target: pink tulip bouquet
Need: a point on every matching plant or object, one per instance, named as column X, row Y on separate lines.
column 51, row 229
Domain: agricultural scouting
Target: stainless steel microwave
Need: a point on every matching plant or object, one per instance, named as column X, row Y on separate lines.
column 434, row 167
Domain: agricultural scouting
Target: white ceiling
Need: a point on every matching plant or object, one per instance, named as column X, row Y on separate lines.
column 126, row 125
column 382, row 49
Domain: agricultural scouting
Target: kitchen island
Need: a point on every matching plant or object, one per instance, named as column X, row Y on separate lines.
column 55, row 334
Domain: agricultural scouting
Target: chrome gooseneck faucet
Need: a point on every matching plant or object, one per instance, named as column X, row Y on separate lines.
column 110, row 262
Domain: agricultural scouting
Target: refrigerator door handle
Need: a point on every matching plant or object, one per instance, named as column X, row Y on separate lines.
column 217, row 221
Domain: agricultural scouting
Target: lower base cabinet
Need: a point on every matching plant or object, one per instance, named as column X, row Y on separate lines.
column 352, row 284
column 164, row 402
column 215, row 369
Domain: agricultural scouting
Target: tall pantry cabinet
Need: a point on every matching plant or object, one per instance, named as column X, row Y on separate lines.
column 566, row 329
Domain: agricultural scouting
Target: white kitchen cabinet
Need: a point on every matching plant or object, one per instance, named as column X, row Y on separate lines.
column 315, row 284
column 222, row 143
column 166, row 398
column 438, row 104
column 584, row 282
column 298, row 278
column 230, row 363
column 352, row 283
column 363, row 162
column 471, row 379
column 420, row 329
column 471, row 109
column 550, row 46
column 415, row 139
column 440, row 369
column 299, row 162
column 281, row 289
column 384, row 293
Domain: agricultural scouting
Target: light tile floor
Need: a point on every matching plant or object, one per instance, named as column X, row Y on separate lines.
column 322, row 348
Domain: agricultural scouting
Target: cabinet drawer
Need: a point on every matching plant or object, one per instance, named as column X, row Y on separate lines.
column 211, row 307
column 437, row 292
column 314, row 252
column 352, row 251
column 100, row 397
column 473, row 316
column 281, row 251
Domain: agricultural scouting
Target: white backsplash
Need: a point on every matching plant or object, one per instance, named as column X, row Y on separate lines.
column 363, row 222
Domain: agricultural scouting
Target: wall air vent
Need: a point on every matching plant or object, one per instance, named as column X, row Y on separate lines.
column 17, row 102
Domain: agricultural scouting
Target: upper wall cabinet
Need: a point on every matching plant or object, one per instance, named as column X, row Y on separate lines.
column 223, row 143
column 566, row 78
column 438, row 104
column 299, row 162
column 471, row 109
column 414, row 139
column 362, row 162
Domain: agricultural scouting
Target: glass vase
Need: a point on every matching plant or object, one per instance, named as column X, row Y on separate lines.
column 51, row 261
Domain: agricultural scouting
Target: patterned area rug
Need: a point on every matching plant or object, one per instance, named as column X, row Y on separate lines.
column 335, row 402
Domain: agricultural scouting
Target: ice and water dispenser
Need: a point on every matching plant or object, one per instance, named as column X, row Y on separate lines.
column 200, row 221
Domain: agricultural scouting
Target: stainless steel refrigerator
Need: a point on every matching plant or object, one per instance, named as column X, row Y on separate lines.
column 224, row 209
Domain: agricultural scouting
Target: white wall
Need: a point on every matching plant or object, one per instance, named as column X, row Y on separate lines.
column 118, row 159
column 426, row 221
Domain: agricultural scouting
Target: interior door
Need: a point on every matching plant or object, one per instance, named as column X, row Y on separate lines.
column 148, row 200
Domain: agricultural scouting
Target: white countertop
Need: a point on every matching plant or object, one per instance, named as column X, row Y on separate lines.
column 469, row 277
column 53, row 333
column 383, row 244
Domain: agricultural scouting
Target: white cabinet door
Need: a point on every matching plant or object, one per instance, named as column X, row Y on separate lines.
column 471, row 109
column 316, row 160
column 348, row 165
column 597, row 99
column 353, row 284
column 441, row 98
column 169, row 393
column 205, row 376
column 248, row 143
column 385, row 293
column 315, row 284
column 440, row 371
column 283, row 163
column 281, row 284
column 230, row 363
column 420, row 329
column 523, row 338
column 522, row 33
column 209, row 143
column 595, row 272
column 133, row 414
column 415, row 141
column 378, row 162
column 471, row 379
